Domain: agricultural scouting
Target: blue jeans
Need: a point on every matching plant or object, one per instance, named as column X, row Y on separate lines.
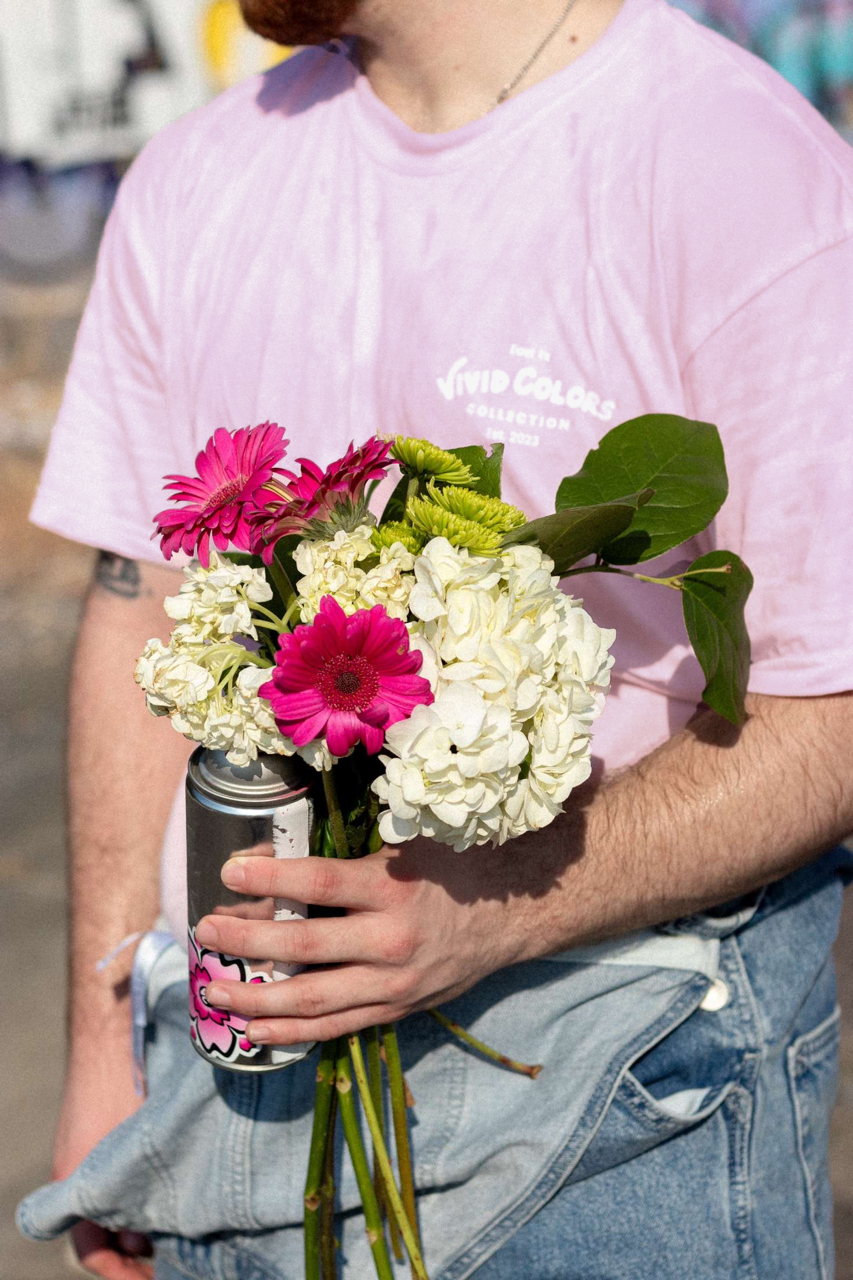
column 679, row 1127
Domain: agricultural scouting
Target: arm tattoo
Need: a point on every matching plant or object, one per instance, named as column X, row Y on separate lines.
column 118, row 575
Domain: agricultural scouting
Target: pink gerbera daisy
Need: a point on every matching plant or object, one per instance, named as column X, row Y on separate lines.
column 346, row 678
column 231, row 469
column 314, row 494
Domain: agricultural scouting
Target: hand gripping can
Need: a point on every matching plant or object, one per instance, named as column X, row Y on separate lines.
column 263, row 809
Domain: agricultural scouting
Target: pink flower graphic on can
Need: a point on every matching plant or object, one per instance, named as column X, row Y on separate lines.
column 220, row 1034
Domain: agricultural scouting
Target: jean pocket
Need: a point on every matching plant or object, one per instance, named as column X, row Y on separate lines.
column 813, row 1076
column 666, row 1115
column 668, row 1088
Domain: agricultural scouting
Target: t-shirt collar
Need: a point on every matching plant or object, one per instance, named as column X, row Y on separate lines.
column 399, row 146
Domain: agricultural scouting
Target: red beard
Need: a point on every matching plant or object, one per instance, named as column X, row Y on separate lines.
column 298, row 21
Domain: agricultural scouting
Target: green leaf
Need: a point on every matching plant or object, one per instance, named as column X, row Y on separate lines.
column 713, row 613
column 370, row 490
column 473, row 455
column 357, row 825
column 486, row 468
column 489, row 480
column 282, row 574
column 576, row 532
column 395, row 507
column 242, row 558
column 680, row 459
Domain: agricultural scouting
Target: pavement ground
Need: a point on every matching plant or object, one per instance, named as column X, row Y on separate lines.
column 42, row 581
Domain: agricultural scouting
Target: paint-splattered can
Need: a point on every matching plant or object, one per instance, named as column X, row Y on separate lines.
column 265, row 809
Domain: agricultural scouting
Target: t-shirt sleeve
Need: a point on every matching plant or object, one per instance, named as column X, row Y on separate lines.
column 777, row 379
column 113, row 441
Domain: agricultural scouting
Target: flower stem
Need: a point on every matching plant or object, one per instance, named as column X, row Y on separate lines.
column 372, row 1218
column 317, row 1157
column 282, row 582
column 394, row 1201
column 328, row 1260
column 675, row 582
column 268, row 613
column 336, row 818
column 698, row 573
column 397, row 1087
column 292, row 609
column 412, row 490
column 454, row 1028
column 374, row 1071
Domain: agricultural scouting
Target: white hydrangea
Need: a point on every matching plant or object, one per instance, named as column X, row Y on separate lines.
column 503, row 643
column 559, row 760
column 504, row 624
column 215, row 603
column 389, row 582
column 317, row 754
column 335, row 568
column 452, row 765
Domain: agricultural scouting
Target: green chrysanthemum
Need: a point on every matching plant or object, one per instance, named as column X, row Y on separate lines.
column 491, row 513
column 394, row 531
column 435, row 522
column 421, row 457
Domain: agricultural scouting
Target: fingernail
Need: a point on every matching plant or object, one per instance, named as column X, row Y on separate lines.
column 259, row 1035
column 234, row 873
column 206, row 933
column 219, row 996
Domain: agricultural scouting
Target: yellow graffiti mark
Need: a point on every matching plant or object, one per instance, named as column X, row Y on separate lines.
column 224, row 44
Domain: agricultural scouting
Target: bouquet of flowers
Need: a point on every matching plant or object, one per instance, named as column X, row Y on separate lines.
column 428, row 665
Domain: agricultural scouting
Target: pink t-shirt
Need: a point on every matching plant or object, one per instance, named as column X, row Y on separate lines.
column 663, row 226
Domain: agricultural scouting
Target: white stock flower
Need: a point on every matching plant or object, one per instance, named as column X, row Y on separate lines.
column 234, row 719
column 241, row 723
column 453, row 762
column 154, row 657
column 225, row 714
column 215, row 603
column 171, row 678
column 336, row 568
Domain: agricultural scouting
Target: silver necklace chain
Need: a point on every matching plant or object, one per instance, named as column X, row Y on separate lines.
column 516, row 81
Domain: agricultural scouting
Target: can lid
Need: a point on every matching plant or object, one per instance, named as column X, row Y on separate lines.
column 269, row 780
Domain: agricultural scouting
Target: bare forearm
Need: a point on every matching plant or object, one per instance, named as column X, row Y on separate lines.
column 712, row 814
column 709, row 816
column 122, row 772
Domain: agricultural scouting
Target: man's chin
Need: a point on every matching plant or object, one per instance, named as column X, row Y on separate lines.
column 292, row 22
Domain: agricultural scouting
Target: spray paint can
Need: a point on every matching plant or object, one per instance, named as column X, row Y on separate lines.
column 265, row 809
